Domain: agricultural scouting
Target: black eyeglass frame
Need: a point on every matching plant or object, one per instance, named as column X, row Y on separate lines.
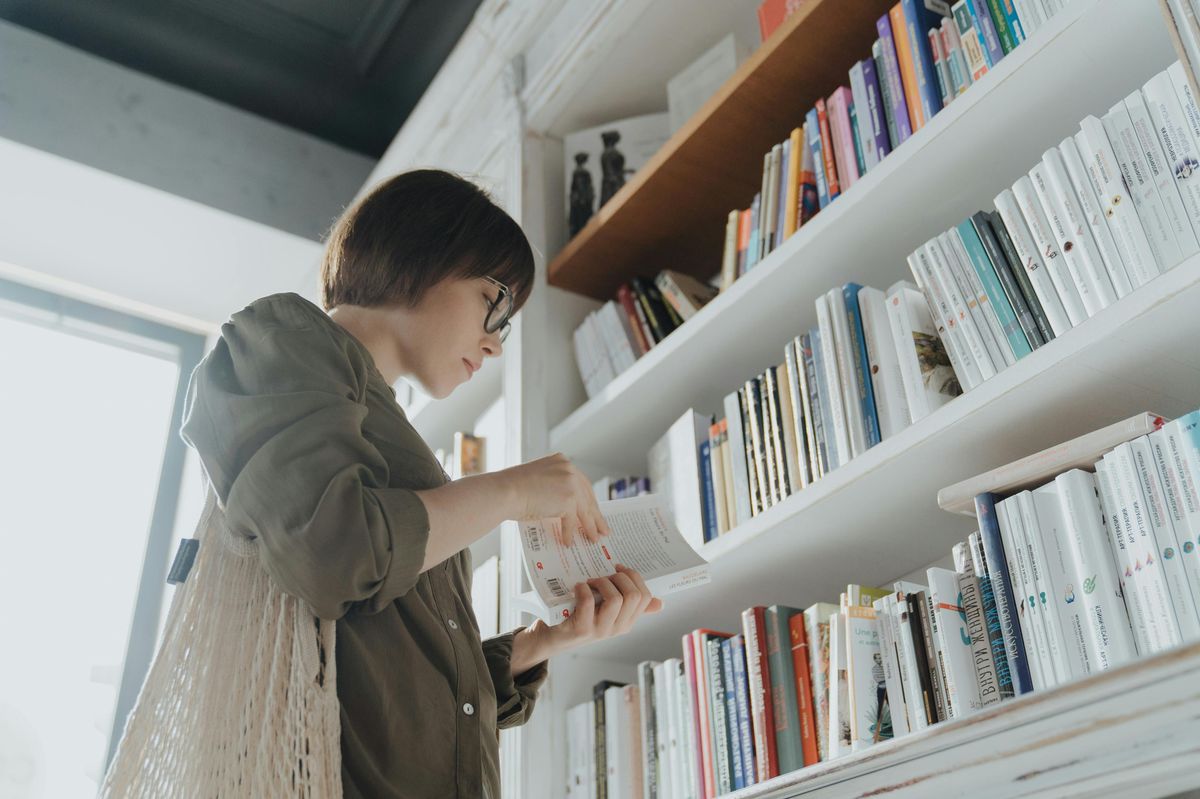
column 504, row 304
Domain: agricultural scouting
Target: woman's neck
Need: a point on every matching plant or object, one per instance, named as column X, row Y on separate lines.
column 371, row 326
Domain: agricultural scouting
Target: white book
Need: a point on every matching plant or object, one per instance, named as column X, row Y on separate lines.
column 1147, row 575
column 1047, row 244
column 891, row 403
column 974, row 371
column 617, row 335
column 1179, row 149
column 1034, row 637
column 659, row 783
column 918, row 719
column 1116, row 206
column 615, row 769
column 1160, row 231
column 688, row 777
column 870, row 718
column 1079, row 253
column 1012, row 526
column 928, row 379
column 1060, row 574
column 847, row 355
column 737, row 459
column 1097, row 581
column 1182, row 17
column 1187, row 101
column 1179, row 514
column 797, row 426
column 953, row 643
column 1162, row 530
column 953, row 283
column 1134, row 603
column 1181, row 450
column 983, row 311
column 944, row 320
column 1164, row 180
column 1065, row 666
column 889, row 654
column 1097, row 225
column 1030, row 14
column 839, row 712
column 674, row 463
column 839, row 435
column 648, row 728
column 583, row 360
column 716, row 467
column 1031, row 261
column 866, row 127
column 594, row 339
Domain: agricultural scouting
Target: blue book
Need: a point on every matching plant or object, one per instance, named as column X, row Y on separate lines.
column 781, row 196
column 989, row 38
column 754, row 247
column 732, row 721
column 991, row 619
column 862, row 363
column 982, row 264
column 879, row 126
column 718, row 724
column 831, row 453
column 1014, row 21
column 812, row 133
column 919, row 18
column 859, row 158
column 1006, row 604
column 710, row 497
column 741, row 692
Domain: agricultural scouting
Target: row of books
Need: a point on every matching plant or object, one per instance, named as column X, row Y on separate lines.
column 612, row 338
column 1101, row 214
column 620, row 487
column 871, row 366
column 1071, row 572
column 927, row 54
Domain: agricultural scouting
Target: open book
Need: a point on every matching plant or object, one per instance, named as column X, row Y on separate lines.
column 644, row 538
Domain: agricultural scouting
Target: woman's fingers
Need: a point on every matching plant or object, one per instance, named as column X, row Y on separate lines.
column 610, row 605
column 631, row 601
column 584, row 617
column 648, row 598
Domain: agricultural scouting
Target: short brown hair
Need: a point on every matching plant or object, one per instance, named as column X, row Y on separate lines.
column 415, row 230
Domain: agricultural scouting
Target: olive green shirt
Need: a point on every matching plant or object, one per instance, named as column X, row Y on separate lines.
column 310, row 454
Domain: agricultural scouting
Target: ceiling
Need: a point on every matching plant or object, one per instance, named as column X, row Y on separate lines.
column 346, row 71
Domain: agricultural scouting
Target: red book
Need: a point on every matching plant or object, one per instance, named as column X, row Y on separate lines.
column 698, row 703
column 772, row 13
column 808, row 716
column 743, row 240
column 831, row 176
column 758, row 675
column 625, row 298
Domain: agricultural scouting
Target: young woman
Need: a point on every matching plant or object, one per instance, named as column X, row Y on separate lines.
column 295, row 420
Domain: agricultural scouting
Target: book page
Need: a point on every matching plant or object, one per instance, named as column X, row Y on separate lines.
column 644, row 538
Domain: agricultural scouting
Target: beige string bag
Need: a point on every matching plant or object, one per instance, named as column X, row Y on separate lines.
column 241, row 698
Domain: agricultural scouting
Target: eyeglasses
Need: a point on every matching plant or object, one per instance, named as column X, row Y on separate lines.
column 500, row 311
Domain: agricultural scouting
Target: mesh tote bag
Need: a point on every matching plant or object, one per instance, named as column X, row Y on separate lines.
column 241, row 698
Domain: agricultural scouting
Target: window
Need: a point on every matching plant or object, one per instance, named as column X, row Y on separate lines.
column 90, row 467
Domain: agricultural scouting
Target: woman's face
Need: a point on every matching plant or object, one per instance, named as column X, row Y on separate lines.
column 443, row 342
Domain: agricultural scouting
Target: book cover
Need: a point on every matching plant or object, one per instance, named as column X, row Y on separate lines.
column 928, row 378
column 981, row 18
column 788, row 744
column 816, row 628
column 762, row 707
column 869, row 711
column 971, row 40
column 890, row 73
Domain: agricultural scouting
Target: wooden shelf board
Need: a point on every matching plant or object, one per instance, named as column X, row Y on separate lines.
column 672, row 212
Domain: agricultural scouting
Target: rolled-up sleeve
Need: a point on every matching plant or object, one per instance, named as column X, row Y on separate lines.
column 275, row 414
column 515, row 694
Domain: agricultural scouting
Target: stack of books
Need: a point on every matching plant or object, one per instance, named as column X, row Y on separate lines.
column 1084, row 559
column 1101, row 214
column 927, row 54
column 645, row 312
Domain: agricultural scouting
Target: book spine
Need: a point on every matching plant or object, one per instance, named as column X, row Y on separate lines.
column 767, row 423
column 1078, row 269
column 649, row 729
column 1179, row 148
column 860, row 163
column 783, row 479
column 791, row 213
column 987, row 671
column 989, row 37
column 862, row 364
column 865, row 130
column 812, row 131
column 1108, row 626
column 885, row 95
column 878, row 139
column 1174, row 498
column 1012, row 16
column 945, row 320
column 1089, row 206
column 735, row 429
column 1030, row 260
column 1037, row 650
column 718, row 721
column 816, row 629
column 1024, row 284
column 887, row 380
column 896, row 89
column 1118, row 127
column 788, row 745
column 732, row 722
column 826, row 440
column 781, row 192
column 1003, row 593
column 792, row 409
column 757, row 454
column 950, row 255
column 710, row 501
column 1062, row 581
column 742, row 705
column 1034, row 213
column 804, row 698
column 923, row 684
column 1003, row 31
column 893, row 677
column 941, row 66
column 1066, row 667
column 908, row 75
column 638, row 324
column 846, row 356
column 762, row 709
column 952, row 643
column 936, row 657
column 813, row 418
column 827, row 151
column 1065, row 202
column 1164, row 180
column 838, row 430
column 1110, row 506
column 716, row 451
column 960, row 75
column 918, row 19
column 971, row 40
column 1027, row 331
column 991, row 617
column 971, row 336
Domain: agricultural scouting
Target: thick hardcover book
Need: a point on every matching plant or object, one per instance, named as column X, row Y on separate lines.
column 919, row 17
column 788, row 744
column 745, row 734
column 994, row 565
column 1008, row 248
column 804, row 699
column 925, row 691
column 762, row 707
column 862, row 364
column 890, row 72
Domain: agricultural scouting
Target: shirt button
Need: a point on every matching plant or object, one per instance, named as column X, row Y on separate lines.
column 453, row 624
column 469, row 709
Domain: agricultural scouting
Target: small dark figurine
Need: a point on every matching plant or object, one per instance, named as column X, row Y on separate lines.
column 612, row 166
column 583, row 195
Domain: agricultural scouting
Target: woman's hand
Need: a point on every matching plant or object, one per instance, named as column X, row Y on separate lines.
column 624, row 598
column 551, row 487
